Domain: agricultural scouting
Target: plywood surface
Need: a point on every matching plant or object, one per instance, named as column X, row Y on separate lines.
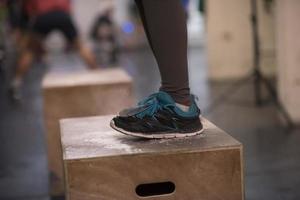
column 92, row 137
column 90, row 77
column 79, row 94
column 102, row 164
column 197, row 176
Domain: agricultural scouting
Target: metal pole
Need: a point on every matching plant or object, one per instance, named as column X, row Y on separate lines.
column 256, row 53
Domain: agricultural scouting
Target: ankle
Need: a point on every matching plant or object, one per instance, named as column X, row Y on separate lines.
column 179, row 97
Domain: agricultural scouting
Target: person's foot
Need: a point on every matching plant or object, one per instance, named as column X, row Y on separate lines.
column 159, row 117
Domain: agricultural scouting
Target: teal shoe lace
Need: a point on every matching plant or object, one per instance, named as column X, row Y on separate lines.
column 162, row 100
column 151, row 105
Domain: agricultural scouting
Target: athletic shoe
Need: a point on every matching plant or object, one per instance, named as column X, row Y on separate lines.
column 158, row 117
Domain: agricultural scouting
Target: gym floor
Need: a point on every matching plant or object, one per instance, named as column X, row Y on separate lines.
column 271, row 153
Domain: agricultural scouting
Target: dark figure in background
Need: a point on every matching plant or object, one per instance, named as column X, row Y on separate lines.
column 171, row 112
column 103, row 34
column 18, row 21
column 46, row 16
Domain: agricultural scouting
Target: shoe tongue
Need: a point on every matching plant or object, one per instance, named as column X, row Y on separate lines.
column 164, row 98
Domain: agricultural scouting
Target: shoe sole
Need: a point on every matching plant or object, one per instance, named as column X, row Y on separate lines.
column 157, row 135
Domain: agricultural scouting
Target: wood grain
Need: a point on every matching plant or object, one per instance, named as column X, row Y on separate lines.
column 78, row 95
column 104, row 164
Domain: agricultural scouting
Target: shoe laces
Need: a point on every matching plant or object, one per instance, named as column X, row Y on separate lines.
column 152, row 105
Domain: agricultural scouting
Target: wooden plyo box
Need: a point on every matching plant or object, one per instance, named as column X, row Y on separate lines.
column 79, row 94
column 102, row 164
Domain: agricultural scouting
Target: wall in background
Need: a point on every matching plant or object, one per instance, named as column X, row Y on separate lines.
column 288, row 50
column 229, row 39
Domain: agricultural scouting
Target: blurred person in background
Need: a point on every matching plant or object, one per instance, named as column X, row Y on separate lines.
column 45, row 16
column 171, row 112
column 18, row 23
column 103, row 34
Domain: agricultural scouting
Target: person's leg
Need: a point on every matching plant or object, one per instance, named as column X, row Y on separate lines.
column 165, row 27
column 30, row 49
column 85, row 53
column 172, row 112
column 24, row 64
column 65, row 24
column 31, row 45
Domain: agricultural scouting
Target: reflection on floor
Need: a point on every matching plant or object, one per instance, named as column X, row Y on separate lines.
column 272, row 162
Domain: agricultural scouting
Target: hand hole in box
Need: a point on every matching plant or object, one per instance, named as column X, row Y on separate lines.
column 155, row 189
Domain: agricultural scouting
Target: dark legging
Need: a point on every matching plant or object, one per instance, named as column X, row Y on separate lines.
column 165, row 26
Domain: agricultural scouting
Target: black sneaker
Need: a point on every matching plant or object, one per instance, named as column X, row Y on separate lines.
column 158, row 117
